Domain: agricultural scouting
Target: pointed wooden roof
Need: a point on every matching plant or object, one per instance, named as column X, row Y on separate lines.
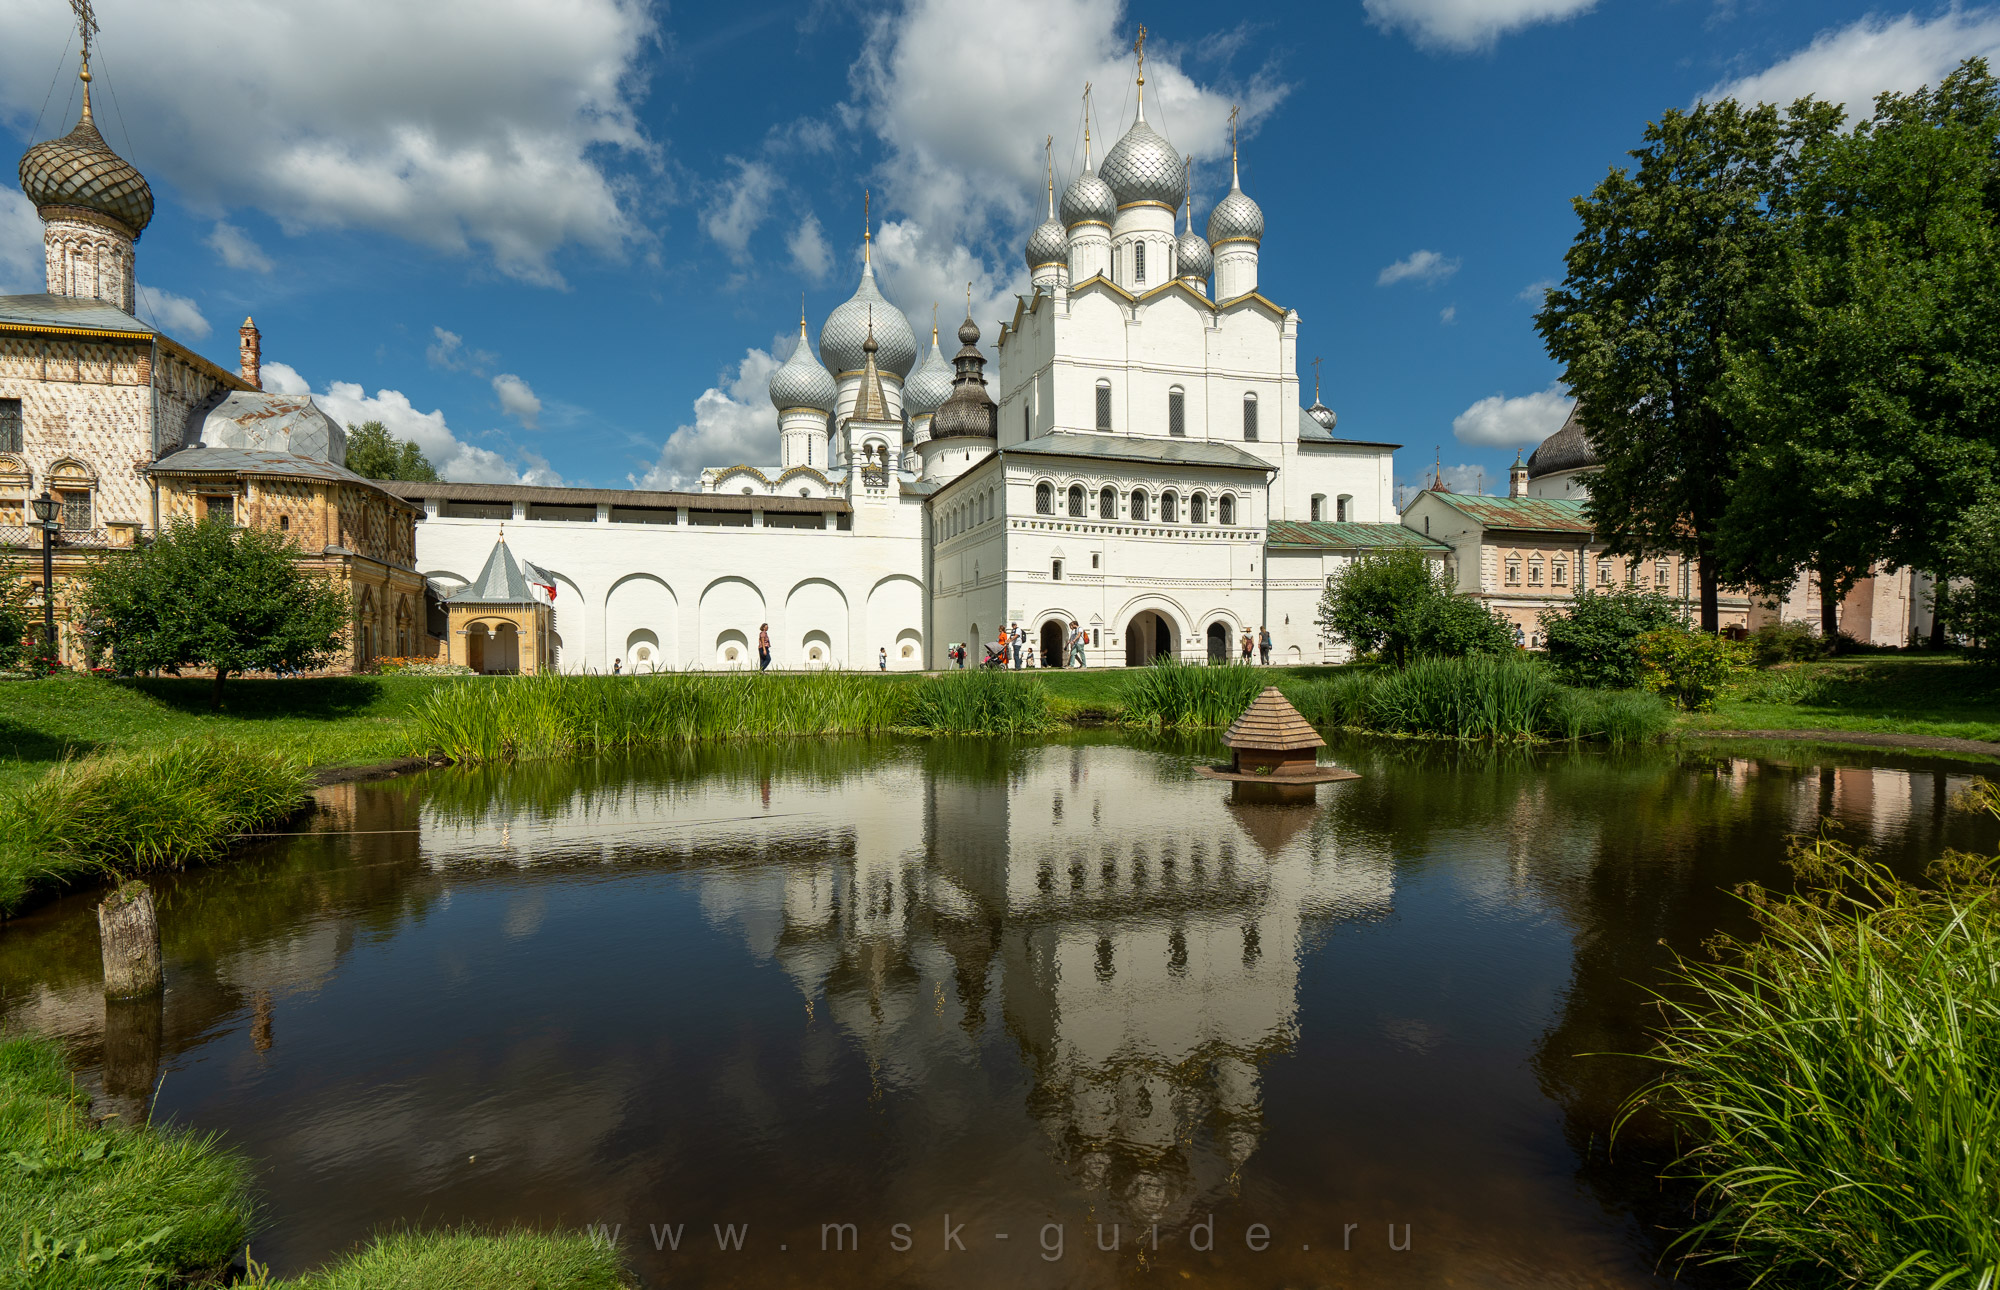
column 1272, row 724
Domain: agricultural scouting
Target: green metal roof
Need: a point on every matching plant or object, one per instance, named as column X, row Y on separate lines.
column 1327, row 535
column 1542, row 514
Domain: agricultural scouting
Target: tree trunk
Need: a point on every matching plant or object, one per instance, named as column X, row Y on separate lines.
column 1939, row 590
column 1711, row 616
column 1829, row 612
column 131, row 941
column 215, row 695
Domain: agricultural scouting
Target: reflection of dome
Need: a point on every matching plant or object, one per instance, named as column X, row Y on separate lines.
column 1567, row 449
column 1143, row 167
column 80, row 169
column 801, row 382
column 930, row 385
column 847, row 327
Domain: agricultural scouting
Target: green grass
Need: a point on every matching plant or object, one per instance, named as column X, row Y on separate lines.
column 1836, row 1083
column 101, row 1206
column 979, row 703
column 1918, row 694
column 474, row 1259
column 1480, row 699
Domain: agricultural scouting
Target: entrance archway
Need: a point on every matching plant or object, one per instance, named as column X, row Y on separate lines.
column 1054, row 641
column 1148, row 636
column 1218, row 642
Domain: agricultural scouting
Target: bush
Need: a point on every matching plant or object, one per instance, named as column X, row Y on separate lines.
column 1787, row 642
column 1454, row 626
column 1688, row 667
column 1593, row 640
column 1400, row 604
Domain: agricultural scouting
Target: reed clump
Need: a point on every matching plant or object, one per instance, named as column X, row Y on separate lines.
column 979, row 703
column 1836, row 1081
column 134, row 813
column 1481, row 698
column 1174, row 695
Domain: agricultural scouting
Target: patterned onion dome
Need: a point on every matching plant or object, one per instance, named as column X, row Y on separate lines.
column 80, row 169
column 847, row 327
column 1087, row 200
column 1321, row 413
column 1143, row 167
column 1567, row 449
column 1048, row 244
column 970, row 412
column 801, row 382
column 1235, row 219
column 1192, row 254
column 930, row 385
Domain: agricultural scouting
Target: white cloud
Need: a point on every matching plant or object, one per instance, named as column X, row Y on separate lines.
column 1459, row 479
column 743, row 203
column 812, row 258
column 1426, row 267
column 449, row 352
column 1853, row 64
column 1463, row 26
column 517, row 399
column 23, row 265
column 175, row 315
column 733, row 422
column 455, row 459
column 237, row 248
column 1535, row 292
column 1448, row 315
column 1501, row 422
column 917, row 269
column 453, row 123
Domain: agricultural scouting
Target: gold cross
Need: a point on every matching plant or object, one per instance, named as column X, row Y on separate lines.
column 1315, row 380
column 86, row 23
column 1233, row 110
column 1139, row 48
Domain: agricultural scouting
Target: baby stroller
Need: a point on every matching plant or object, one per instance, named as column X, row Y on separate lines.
column 995, row 657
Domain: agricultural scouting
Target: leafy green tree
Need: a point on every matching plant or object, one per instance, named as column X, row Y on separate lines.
column 1869, row 393
column 213, row 595
column 1689, row 667
column 1399, row 604
column 374, row 452
column 1453, row 626
column 1593, row 641
column 1659, row 283
column 1973, row 608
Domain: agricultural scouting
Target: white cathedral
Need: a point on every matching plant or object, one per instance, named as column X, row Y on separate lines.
column 1141, row 466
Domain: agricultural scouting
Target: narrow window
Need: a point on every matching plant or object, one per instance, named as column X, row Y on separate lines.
column 1027, row 422
column 1659, row 573
column 1055, row 570
column 1176, row 412
column 1107, row 505
column 1170, row 508
column 1249, row 416
column 1603, row 571
column 75, row 510
column 1093, row 559
column 1139, row 264
column 1319, row 500
column 1198, row 509
column 1227, row 508
column 1104, row 405
column 1343, row 508
column 1045, row 499
column 1076, row 501
column 1535, row 572
column 1559, row 573
column 10, row 426
column 1138, row 504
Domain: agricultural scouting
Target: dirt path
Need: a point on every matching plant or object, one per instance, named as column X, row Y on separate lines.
column 1870, row 738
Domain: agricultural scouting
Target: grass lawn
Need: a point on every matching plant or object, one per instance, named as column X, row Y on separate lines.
column 1907, row 694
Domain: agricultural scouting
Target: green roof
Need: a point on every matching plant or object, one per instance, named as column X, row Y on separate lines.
column 1325, row 535
column 1542, row 514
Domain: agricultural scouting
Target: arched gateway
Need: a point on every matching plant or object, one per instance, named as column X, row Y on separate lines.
column 1148, row 636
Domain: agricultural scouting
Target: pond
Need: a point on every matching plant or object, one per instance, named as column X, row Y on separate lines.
column 1048, row 1013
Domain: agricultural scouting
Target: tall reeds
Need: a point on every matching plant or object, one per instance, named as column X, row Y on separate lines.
column 1837, row 1081
column 133, row 813
column 980, row 703
column 1175, row 695
column 1479, row 699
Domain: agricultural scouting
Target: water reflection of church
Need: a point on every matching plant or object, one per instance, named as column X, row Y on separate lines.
column 1136, row 934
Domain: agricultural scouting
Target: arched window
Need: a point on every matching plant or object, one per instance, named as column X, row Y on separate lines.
column 1603, row 570
column 1513, row 570
column 1170, row 507
column 1104, row 405
column 1107, row 505
column 1343, row 507
column 1559, row 572
column 1177, row 411
column 1660, row 573
column 1198, row 509
column 1249, row 416
column 1076, row 501
column 1139, row 264
column 1138, row 503
column 1045, row 499
column 1319, row 506
column 1535, row 571
column 1226, row 510
column 1027, row 420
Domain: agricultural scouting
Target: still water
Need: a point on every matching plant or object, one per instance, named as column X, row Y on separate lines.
column 1021, row 1014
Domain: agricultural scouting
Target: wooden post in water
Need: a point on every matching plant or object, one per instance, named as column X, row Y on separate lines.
column 131, row 938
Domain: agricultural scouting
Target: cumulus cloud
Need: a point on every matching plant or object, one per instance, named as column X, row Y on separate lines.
column 450, row 352
column 455, row 459
column 812, row 258
column 517, row 399
column 175, row 315
column 734, row 422
column 1463, row 26
column 1426, row 267
column 917, row 268
column 23, row 266
column 1501, row 422
column 237, row 249
column 742, row 203
column 1853, row 64
column 458, row 124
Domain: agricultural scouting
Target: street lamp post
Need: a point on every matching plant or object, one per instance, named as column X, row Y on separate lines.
column 47, row 509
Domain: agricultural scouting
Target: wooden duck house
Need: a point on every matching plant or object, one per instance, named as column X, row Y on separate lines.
column 1271, row 744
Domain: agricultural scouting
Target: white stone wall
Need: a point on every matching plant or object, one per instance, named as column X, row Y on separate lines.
column 88, row 257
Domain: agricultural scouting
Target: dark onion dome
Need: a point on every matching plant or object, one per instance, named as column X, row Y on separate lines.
column 1567, row 449
column 1048, row 244
column 847, row 327
column 1143, row 167
column 801, row 382
column 930, row 385
column 970, row 412
column 1191, row 252
column 80, row 169
column 1321, row 413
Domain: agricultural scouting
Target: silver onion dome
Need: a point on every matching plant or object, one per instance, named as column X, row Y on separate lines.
column 930, row 385
column 846, row 329
column 1235, row 219
column 1191, row 250
column 1048, row 244
column 1088, row 200
column 1143, row 167
column 800, row 382
column 1321, row 413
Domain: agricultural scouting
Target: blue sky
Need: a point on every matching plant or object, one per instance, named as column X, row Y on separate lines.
column 566, row 241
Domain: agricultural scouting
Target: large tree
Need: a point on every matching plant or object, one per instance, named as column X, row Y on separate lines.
column 374, row 452
column 1659, row 283
column 213, row 595
column 1869, row 393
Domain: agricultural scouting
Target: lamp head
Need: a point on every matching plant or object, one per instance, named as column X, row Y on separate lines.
column 46, row 508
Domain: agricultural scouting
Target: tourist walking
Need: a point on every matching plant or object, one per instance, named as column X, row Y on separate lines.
column 1245, row 644
column 882, row 659
column 763, row 647
column 617, row 666
column 1018, row 645
column 1076, row 639
column 1264, row 644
